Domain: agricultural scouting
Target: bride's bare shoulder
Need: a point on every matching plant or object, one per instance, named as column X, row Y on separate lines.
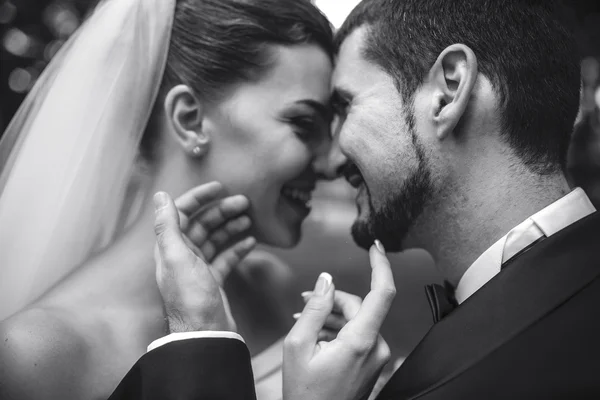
column 41, row 353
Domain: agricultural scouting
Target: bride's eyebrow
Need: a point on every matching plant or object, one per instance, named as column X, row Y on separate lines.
column 324, row 110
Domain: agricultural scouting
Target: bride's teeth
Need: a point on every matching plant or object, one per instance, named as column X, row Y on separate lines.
column 298, row 195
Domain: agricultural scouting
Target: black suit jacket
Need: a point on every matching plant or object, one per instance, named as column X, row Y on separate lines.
column 532, row 332
column 215, row 369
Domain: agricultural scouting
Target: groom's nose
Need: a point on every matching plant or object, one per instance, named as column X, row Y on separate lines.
column 321, row 160
column 334, row 161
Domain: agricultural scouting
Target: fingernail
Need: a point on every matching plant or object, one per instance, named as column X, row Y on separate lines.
column 297, row 315
column 323, row 284
column 306, row 294
column 160, row 200
column 379, row 246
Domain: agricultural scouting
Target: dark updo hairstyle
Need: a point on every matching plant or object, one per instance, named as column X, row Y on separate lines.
column 218, row 43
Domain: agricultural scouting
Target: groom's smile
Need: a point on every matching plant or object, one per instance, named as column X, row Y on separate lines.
column 376, row 146
column 356, row 180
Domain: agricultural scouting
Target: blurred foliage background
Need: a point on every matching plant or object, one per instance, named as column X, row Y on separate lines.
column 32, row 31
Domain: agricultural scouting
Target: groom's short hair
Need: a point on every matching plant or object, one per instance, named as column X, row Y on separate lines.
column 524, row 47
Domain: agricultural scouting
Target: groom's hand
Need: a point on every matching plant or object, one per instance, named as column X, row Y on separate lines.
column 190, row 288
column 348, row 366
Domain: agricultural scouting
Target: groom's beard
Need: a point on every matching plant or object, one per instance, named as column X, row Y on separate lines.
column 391, row 222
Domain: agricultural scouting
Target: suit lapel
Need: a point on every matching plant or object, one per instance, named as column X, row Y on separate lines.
column 536, row 283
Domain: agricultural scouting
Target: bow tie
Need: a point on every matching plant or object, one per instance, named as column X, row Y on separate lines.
column 441, row 300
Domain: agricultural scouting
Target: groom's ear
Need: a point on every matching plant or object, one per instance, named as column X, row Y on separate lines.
column 185, row 113
column 453, row 77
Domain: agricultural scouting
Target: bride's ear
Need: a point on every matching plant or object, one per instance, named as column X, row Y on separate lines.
column 185, row 113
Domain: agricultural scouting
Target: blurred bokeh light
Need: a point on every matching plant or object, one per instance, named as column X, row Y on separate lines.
column 19, row 80
column 17, row 42
column 8, row 11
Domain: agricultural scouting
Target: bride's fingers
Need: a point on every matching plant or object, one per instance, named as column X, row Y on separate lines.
column 327, row 335
column 344, row 303
column 201, row 227
column 230, row 258
column 334, row 322
column 219, row 238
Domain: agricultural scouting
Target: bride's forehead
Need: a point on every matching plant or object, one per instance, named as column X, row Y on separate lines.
column 297, row 73
column 298, row 67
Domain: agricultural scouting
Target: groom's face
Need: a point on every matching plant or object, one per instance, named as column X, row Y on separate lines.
column 377, row 136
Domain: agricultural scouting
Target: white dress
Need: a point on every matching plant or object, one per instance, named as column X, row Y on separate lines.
column 267, row 372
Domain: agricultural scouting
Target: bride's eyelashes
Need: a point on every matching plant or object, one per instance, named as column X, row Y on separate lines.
column 305, row 128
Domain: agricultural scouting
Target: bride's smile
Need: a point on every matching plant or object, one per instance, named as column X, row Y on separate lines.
column 269, row 140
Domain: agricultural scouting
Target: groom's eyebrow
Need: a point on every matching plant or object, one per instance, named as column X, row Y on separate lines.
column 341, row 95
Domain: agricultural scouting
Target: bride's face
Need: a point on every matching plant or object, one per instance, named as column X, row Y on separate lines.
column 270, row 139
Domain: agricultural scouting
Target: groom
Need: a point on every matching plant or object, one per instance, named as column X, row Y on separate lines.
column 455, row 118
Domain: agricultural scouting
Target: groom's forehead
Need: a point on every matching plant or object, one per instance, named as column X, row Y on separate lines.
column 351, row 66
column 350, row 51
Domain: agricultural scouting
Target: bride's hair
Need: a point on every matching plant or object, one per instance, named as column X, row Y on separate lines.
column 218, row 43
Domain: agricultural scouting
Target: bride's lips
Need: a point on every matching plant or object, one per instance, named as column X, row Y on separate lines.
column 298, row 195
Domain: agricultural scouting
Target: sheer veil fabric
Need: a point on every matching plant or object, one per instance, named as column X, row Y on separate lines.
column 67, row 156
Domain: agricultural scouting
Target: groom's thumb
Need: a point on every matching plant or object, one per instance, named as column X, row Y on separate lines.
column 166, row 227
column 304, row 334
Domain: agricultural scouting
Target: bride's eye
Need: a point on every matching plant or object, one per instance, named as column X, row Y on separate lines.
column 304, row 127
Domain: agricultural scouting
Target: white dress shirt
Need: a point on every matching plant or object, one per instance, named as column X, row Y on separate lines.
column 194, row 335
column 557, row 216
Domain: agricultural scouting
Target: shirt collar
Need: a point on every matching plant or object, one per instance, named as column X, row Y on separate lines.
column 553, row 218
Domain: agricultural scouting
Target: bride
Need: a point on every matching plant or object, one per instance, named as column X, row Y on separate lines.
column 153, row 95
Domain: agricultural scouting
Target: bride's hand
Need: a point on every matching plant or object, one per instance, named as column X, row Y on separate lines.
column 345, row 307
column 213, row 226
column 190, row 288
column 348, row 366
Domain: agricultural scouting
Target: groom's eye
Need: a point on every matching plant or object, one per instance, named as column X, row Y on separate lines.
column 340, row 106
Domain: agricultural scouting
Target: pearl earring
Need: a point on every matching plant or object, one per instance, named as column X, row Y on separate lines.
column 196, row 150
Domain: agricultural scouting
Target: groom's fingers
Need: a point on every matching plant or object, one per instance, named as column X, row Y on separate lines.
column 220, row 238
column 197, row 198
column 369, row 318
column 201, row 227
column 226, row 261
column 171, row 246
column 304, row 334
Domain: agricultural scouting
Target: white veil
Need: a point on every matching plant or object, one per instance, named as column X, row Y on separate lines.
column 67, row 156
